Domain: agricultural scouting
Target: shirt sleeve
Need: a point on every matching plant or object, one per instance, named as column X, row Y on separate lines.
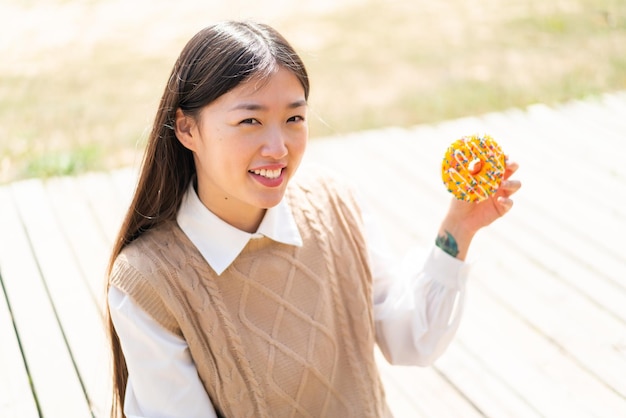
column 418, row 299
column 162, row 379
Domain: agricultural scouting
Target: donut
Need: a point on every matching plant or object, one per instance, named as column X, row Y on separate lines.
column 473, row 168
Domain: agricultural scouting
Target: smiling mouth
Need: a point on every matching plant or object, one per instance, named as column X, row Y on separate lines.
column 270, row 174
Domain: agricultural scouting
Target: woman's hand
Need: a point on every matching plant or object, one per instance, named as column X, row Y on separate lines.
column 464, row 219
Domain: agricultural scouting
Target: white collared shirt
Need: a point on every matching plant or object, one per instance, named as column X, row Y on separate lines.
column 417, row 308
column 202, row 228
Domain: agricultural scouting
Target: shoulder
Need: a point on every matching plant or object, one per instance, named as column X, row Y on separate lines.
column 143, row 257
column 151, row 240
column 140, row 272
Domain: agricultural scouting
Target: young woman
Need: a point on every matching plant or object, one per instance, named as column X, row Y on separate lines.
column 237, row 292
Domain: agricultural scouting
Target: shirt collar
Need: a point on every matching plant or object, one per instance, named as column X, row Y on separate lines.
column 219, row 242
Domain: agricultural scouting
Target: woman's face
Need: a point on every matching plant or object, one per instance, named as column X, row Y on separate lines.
column 247, row 145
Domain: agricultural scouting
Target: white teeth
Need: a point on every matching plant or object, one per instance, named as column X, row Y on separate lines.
column 270, row 174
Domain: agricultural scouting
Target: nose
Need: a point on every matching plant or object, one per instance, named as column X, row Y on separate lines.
column 275, row 145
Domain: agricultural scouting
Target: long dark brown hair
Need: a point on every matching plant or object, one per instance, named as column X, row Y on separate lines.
column 214, row 61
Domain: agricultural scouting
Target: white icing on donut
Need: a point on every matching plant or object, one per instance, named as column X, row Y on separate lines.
column 486, row 180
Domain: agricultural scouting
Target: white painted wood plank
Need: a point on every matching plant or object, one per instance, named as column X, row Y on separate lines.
column 544, row 164
column 105, row 201
column 79, row 227
column 554, row 383
column 16, row 396
column 401, row 406
column 583, row 330
column 590, row 149
column 424, row 391
column 124, row 182
column 598, row 120
column 492, row 394
column 56, row 384
column 594, row 274
column 89, row 251
column 69, row 291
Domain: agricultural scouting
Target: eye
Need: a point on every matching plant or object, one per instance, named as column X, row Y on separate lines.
column 249, row 121
column 296, row 118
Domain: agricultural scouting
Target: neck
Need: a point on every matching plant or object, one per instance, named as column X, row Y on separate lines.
column 243, row 217
column 248, row 224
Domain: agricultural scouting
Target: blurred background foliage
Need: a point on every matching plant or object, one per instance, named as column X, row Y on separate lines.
column 80, row 80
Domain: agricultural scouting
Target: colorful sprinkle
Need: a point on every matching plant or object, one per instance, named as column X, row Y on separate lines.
column 456, row 174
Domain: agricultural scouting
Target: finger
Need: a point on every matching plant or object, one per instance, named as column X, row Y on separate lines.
column 508, row 187
column 503, row 204
column 511, row 167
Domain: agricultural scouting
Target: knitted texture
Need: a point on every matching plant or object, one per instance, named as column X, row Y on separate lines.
column 284, row 331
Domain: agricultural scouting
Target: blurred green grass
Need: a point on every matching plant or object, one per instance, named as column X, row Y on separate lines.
column 74, row 99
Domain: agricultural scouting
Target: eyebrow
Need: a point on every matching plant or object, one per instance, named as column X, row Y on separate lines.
column 256, row 106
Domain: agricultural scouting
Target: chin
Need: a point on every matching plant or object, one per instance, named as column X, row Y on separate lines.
column 270, row 204
column 270, row 201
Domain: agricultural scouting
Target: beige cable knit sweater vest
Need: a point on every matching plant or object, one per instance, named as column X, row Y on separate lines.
column 283, row 332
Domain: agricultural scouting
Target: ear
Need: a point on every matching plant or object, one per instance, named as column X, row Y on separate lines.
column 184, row 127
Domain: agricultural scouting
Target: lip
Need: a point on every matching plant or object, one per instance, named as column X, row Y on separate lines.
column 267, row 182
column 269, row 167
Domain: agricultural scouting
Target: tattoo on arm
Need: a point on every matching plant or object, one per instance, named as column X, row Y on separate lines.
column 447, row 243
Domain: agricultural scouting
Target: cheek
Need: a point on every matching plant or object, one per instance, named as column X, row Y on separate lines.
column 299, row 142
column 302, row 147
column 211, row 157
